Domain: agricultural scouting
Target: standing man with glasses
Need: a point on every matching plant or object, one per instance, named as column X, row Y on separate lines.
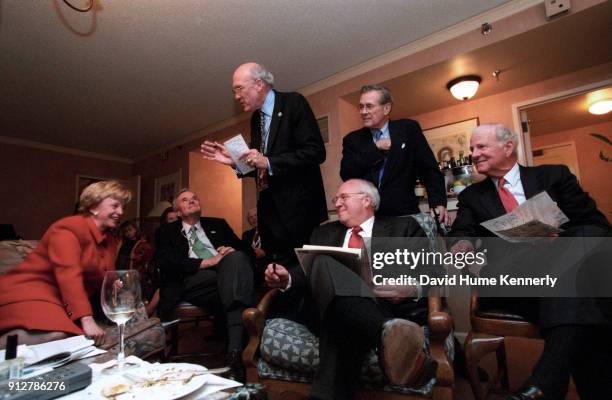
column 203, row 262
column 286, row 150
column 392, row 155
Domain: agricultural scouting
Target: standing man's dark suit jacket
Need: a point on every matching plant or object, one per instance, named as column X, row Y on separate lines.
column 172, row 255
column 480, row 202
column 409, row 158
column 294, row 202
column 332, row 234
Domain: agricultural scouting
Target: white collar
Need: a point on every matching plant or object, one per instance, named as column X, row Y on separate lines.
column 367, row 226
column 513, row 177
column 187, row 227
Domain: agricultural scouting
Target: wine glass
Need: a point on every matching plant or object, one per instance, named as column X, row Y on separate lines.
column 120, row 297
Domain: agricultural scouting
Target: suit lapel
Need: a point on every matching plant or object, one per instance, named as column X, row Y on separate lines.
column 531, row 185
column 210, row 232
column 381, row 228
column 394, row 155
column 490, row 199
column 276, row 117
column 338, row 234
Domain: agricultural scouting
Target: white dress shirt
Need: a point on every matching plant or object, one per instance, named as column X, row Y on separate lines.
column 366, row 232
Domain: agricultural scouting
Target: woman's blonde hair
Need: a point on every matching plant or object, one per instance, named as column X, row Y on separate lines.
column 96, row 192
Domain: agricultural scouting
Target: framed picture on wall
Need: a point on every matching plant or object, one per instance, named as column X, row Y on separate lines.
column 167, row 187
column 450, row 140
column 131, row 210
column 82, row 181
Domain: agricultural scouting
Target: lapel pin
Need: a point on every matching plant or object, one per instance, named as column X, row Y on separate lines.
column 280, row 114
column 213, row 231
column 403, row 145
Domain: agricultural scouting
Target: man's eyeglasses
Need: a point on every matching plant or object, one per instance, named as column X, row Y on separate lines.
column 345, row 196
column 368, row 107
column 238, row 89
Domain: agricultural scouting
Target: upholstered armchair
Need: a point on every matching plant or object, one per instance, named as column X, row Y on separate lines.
column 284, row 355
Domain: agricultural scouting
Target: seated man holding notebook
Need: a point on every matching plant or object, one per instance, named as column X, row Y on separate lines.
column 348, row 315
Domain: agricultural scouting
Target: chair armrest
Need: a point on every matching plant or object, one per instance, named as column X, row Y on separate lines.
column 254, row 319
column 440, row 326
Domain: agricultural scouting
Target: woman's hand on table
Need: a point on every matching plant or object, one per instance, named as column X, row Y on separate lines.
column 92, row 330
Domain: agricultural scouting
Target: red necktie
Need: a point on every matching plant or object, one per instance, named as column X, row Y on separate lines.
column 506, row 197
column 356, row 241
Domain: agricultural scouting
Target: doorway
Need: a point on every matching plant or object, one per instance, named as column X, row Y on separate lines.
column 560, row 130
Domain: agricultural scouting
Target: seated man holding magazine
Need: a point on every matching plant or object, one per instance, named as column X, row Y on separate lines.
column 350, row 317
column 576, row 330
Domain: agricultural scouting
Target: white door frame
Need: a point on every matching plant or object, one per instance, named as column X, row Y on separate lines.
column 525, row 143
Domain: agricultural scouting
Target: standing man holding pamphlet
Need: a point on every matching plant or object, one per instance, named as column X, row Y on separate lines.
column 286, row 150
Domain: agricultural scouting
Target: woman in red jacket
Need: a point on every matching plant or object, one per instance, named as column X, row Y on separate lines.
column 47, row 296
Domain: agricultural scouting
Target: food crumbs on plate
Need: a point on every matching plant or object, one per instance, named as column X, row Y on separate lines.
column 115, row 390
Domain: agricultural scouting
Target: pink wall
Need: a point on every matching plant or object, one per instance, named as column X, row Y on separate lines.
column 38, row 186
column 595, row 174
column 178, row 157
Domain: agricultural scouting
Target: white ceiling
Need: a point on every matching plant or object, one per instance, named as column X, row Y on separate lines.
column 133, row 76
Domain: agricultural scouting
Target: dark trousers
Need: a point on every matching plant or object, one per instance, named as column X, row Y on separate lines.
column 276, row 238
column 580, row 351
column 227, row 286
column 350, row 323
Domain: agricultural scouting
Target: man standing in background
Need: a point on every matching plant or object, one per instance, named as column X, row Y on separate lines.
column 392, row 155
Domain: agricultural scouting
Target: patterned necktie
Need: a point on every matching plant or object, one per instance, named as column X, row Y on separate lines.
column 262, row 174
column 256, row 242
column 506, row 197
column 378, row 135
column 355, row 241
column 197, row 246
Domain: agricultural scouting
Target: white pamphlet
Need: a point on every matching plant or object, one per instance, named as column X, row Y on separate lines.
column 235, row 147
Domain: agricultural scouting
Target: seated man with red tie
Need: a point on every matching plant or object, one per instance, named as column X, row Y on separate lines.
column 202, row 261
column 348, row 316
column 576, row 330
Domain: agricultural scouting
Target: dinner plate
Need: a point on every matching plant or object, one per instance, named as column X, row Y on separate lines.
column 176, row 381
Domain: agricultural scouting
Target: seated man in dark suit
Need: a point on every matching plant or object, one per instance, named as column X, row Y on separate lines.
column 576, row 330
column 203, row 262
column 348, row 316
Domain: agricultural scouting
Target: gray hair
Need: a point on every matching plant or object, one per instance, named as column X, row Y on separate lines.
column 502, row 134
column 385, row 94
column 258, row 71
column 371, row 191
column 180, row 192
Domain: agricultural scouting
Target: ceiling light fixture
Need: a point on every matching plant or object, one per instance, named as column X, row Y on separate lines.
column 464, row 87
column 601, row 107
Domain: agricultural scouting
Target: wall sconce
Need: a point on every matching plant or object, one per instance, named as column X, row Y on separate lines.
column 601, row 107
column 464, row 87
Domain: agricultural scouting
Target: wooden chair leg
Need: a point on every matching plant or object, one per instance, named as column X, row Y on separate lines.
column 477, row 346
column 502, row 367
